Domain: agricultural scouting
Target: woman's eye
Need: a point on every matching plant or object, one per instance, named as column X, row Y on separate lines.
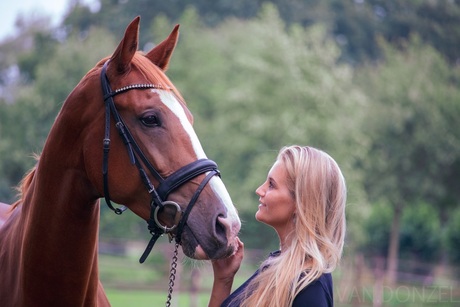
column 150, row 121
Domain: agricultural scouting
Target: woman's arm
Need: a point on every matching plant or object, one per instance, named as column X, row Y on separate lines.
column 224, row 273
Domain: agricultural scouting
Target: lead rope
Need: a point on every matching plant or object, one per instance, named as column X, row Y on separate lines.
column 172, row 274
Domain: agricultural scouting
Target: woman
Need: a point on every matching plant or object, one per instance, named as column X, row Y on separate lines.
column 303, row 199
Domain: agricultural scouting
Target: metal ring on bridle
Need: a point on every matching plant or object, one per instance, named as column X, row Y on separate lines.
column 177, row 217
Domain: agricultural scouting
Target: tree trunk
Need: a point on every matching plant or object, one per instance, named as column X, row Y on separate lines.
column 393, row 251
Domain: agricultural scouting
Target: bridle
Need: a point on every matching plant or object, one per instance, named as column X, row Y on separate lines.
column 159, row 194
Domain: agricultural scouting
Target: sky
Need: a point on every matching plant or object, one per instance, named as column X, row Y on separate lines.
column 9, row 10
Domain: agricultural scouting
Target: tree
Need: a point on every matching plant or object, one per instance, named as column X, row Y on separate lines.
column 43, row 51
column 413, row 131
column 26, row 122
column 355, row 25
column 421, row 233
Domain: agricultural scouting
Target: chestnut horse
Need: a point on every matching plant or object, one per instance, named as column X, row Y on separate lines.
column 154, row 164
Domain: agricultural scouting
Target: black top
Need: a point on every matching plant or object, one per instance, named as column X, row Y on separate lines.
column 317, row 294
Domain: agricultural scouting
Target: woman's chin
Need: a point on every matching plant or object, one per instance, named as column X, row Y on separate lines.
column 259, row 215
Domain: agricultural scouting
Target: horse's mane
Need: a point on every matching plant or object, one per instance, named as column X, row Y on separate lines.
column 24, row 185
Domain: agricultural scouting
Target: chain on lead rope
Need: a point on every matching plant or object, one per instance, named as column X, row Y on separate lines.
column 172, row 275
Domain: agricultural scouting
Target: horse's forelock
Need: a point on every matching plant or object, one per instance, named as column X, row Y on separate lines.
column 155, row 75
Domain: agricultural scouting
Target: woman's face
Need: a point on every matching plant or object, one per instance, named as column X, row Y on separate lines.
column 276, row 204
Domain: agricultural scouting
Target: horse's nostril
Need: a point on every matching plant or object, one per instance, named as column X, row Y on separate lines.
column 224, row 229
column 221, row 226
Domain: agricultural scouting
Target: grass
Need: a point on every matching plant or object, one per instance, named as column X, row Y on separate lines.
column 116, row 271
column 152, row 298
column 407, row 297
column 128, row 283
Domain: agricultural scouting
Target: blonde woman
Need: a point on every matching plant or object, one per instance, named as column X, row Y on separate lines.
column 303, row 199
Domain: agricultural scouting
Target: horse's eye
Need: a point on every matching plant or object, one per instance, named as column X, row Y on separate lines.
column 150, row 121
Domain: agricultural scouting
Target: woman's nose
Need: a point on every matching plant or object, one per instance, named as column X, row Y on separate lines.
column 259, row 191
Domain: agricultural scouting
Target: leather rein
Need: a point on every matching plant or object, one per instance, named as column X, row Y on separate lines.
column 159, row 194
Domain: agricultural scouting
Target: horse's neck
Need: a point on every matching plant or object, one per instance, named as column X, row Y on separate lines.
column 48, row 244
column 60, row 226
column 60, row 235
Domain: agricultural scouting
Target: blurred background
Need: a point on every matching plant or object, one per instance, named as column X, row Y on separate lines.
column 376, row 84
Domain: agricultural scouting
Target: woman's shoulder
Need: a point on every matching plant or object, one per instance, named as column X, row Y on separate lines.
column 319, row 293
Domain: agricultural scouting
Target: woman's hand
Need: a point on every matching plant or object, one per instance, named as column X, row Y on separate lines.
column 226, row 268
column 224, row 272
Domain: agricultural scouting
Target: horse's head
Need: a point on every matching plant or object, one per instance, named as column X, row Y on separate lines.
column 150, row 129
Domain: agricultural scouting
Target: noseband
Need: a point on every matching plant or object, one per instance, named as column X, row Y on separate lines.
column 160, row 194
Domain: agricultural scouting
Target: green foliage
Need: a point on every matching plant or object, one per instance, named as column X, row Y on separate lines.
column 257, row 235
column 421, row 233
column 377, row 228
column 356, row 25
column 409, row 127
column 264, row 97
column 126, row 226
column 26, row 123
column 43, row 51
column 254, row 86
column 414, row 142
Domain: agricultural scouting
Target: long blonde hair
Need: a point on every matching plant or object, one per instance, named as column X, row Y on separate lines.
column 316, row 243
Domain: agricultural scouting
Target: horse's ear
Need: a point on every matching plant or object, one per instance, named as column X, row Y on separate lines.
column 121, row 58
column 161, row 54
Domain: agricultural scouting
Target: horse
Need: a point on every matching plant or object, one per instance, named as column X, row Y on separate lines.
column 154, row 165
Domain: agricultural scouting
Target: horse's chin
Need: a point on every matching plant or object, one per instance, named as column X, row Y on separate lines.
column 194, row 251
column 200, row 254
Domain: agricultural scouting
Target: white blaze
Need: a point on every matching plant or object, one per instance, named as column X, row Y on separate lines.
column 216, row 183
